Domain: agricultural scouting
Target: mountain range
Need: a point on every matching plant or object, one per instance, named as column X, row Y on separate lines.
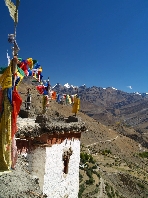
column 116, row 105
column 111, row 106
column 115, row 138
column 68, row 86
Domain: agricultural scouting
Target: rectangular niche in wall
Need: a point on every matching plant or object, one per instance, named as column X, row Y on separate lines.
column 66, row 156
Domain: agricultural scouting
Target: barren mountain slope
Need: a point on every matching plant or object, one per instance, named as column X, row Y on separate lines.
column 116, row 154
column 110, row 105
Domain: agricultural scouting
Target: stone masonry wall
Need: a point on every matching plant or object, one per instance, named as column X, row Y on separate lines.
column 37, row 159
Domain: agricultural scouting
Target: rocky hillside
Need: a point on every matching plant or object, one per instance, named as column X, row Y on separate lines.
column 114, row 156
column 114, row 107
column 110, row 105
column 114, row 146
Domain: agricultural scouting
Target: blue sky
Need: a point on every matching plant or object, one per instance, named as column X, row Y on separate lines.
column 94, row 42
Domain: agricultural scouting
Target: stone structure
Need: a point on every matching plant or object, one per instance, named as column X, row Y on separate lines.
column 54, row 154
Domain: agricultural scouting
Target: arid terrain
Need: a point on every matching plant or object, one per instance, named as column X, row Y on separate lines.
column 113, row 151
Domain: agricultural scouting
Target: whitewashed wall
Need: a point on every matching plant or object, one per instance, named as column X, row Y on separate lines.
column 57, row 184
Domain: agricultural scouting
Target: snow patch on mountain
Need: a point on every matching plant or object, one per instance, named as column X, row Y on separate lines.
column 137, row 93
column 114, row 88
column 68, row 86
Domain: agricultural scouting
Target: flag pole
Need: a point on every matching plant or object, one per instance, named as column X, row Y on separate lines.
column 7, row 156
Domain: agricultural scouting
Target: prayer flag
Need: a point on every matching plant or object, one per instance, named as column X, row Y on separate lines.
column 12, row 10
column 6, row 78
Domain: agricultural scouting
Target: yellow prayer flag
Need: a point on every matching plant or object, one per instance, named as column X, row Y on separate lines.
column 6, row 78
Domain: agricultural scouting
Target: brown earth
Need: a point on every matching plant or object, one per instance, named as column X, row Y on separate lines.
column 122, row 169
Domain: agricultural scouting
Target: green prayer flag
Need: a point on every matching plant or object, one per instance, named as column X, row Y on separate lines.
column 21, row 71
